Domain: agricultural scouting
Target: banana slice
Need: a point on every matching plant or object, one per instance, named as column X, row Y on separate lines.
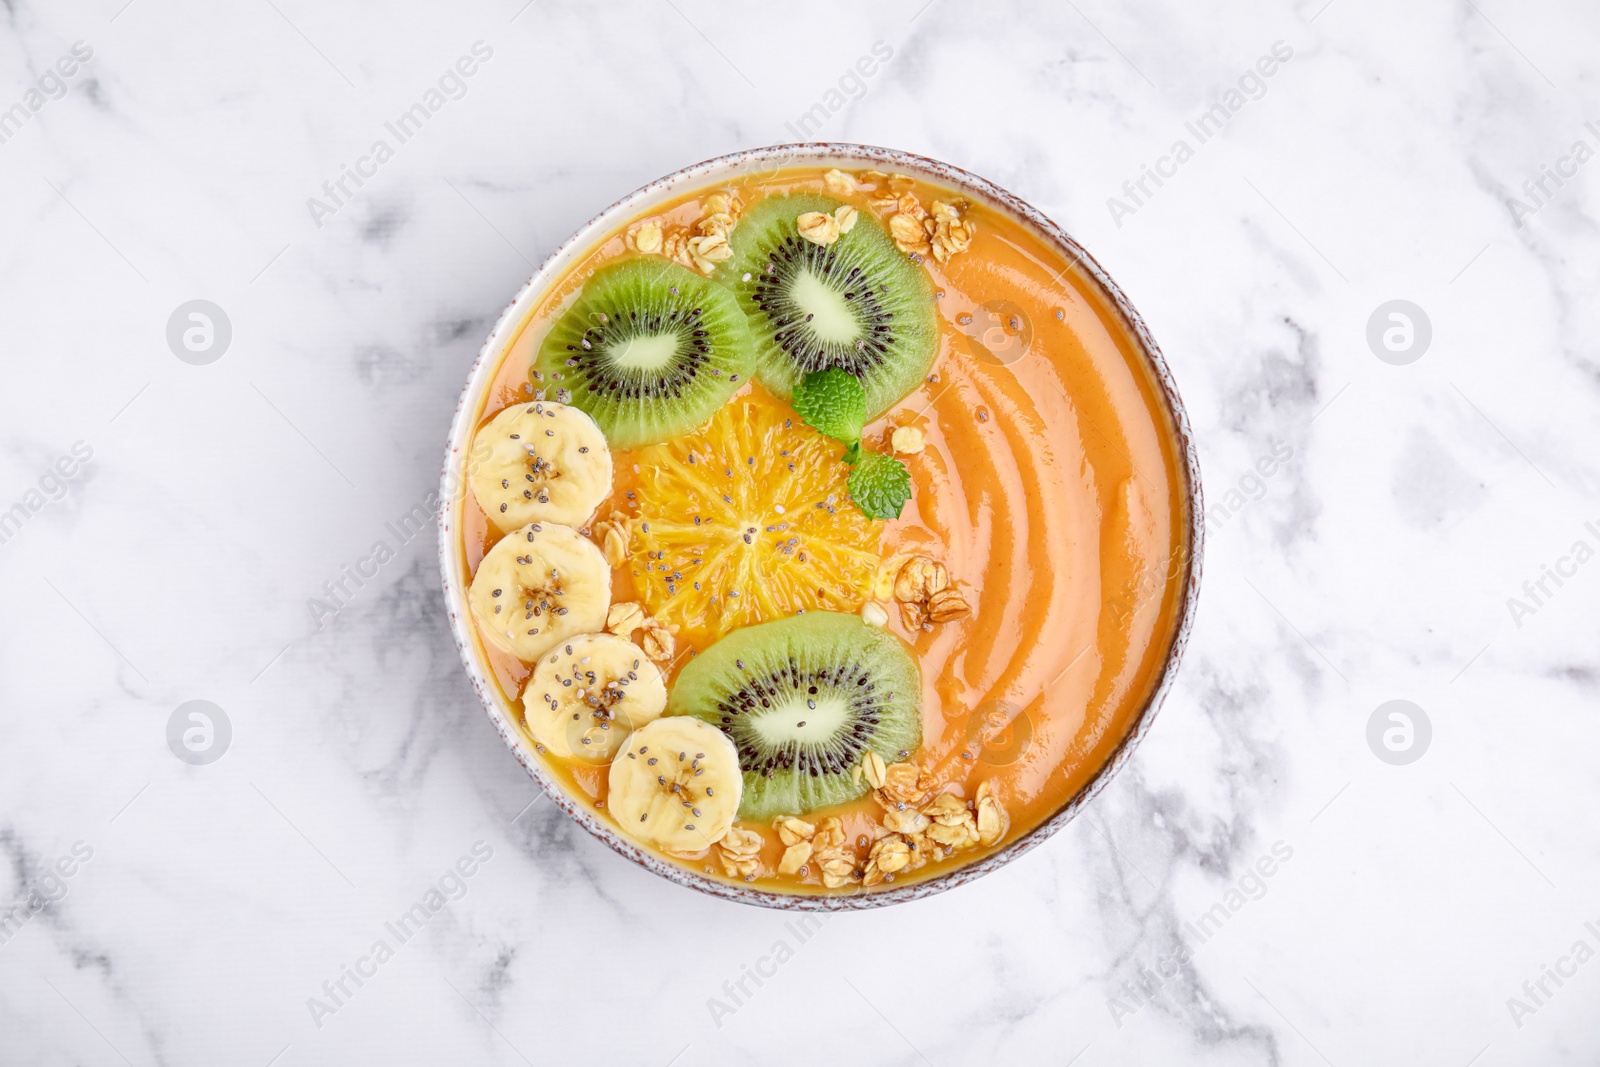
column 540, row 462
column 587, row 694
column 676, row 784
column 539, row 586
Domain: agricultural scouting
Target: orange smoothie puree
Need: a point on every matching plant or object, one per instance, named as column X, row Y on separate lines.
column 1051, row 487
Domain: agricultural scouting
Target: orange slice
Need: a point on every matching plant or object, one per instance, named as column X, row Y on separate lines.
column 748, row 519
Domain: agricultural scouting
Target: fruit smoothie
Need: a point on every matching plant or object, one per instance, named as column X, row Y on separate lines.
column 890, row 534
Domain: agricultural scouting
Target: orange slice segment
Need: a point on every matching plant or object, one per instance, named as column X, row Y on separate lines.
column 748, row 519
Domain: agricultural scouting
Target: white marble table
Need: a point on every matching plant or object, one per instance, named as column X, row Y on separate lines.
column 1395, row 154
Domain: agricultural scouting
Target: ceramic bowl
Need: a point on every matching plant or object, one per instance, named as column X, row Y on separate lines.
column 714, row 172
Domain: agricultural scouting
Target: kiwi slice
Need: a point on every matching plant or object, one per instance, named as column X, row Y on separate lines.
column 649, row 349
column 804, row 698
column 858, row 303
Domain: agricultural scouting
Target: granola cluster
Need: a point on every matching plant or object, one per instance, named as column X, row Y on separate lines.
column 657, row 641
column 622, row 619
column 613, row 536
column 821, row 845
column 948, row 232
column 701, row 248
column 796, row 835
column 740, row 853
column 832, row 853
column 940, row 230
column 926, row 596
column 839, row 183
column 907, row 440
column 823, row 229
column 920, row 825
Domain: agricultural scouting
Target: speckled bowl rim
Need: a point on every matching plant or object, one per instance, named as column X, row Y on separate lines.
column 579, row 244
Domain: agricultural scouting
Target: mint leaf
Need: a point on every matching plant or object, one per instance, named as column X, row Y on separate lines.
column 832, row 402
column 880, row 486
